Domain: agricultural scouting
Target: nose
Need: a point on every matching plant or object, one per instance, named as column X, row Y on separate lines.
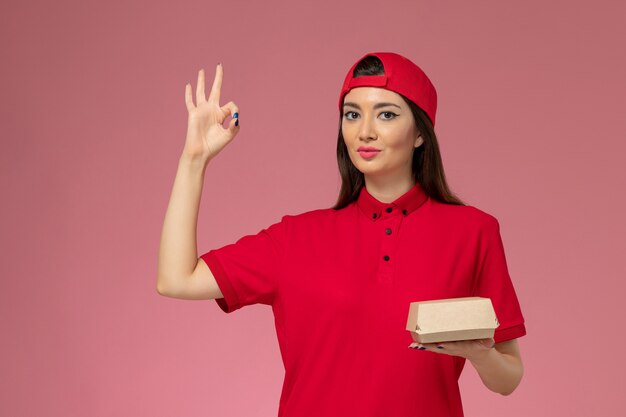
column 367, row 130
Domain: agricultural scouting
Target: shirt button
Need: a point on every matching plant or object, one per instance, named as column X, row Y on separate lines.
column 388, row 231
column 373, row 215
column 404, row 212
column 388, row 210
column 386, row 258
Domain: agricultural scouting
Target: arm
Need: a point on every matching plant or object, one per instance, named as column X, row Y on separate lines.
column 501, row 368
column 180, row 274
column 177, row 250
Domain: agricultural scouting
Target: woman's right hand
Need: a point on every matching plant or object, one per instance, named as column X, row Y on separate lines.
column 206, row 135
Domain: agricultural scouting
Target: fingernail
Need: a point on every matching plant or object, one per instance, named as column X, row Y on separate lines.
column 237, row 122
column 439, row 347
column 236, row 115
column 421, row 348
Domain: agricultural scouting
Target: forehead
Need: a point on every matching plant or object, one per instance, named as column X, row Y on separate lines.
column 371, row 95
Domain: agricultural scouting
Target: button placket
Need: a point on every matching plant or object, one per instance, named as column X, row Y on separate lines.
column 390, row 223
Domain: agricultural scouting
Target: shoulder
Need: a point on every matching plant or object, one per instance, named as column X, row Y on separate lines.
column 459, row 215
column 317, row 221
column 313, row 217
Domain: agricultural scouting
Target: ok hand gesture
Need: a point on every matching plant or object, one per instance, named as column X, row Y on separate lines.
column 206, row 135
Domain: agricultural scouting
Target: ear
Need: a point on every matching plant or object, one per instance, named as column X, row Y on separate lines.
column 418, row 141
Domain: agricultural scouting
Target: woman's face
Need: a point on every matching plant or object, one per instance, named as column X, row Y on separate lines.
column 378, row 118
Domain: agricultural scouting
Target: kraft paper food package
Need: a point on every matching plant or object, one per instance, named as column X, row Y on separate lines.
column 452, row 319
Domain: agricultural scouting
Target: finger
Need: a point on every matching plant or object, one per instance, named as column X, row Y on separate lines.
column 188, row 99
column 214, row 95
column 424, row 346
column 434, row 346
column 200, row 97
column 230, row 109
column 417, row 346
column 233, row 125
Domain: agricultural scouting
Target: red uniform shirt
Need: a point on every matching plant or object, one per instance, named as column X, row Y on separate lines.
column 340, row 283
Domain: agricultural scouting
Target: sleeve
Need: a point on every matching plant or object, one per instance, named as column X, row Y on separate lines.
column 493, row 281
column 248, row 271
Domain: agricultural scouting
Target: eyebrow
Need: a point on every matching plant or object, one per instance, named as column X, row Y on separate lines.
column 376, row 106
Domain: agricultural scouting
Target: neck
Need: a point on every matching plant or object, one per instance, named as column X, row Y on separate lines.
column 387, row 190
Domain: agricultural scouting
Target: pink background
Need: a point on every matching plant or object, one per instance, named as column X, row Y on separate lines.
column 531, row 126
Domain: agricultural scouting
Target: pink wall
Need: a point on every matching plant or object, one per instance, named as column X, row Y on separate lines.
column 93, row 120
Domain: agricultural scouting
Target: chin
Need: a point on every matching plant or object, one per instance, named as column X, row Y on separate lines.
column 370, row 171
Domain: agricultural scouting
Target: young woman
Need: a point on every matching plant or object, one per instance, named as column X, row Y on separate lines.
column 340, row 280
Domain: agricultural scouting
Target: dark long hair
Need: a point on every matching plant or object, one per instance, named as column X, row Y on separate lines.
column 427, row 166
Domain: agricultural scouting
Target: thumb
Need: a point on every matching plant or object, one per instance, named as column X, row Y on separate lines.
column 488, row 343
column 233, row 109
column 233, row 125
column 235, row 120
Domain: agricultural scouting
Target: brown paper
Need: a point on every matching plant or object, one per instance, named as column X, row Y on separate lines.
column 452, row 319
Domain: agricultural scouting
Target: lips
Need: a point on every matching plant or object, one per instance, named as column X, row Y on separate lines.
column 367, row 149
column 368, row 154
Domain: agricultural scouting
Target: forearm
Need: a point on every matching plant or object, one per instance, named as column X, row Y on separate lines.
column 499, row 372
column 178, row 251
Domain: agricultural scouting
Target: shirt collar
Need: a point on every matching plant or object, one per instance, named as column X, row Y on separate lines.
column 405, row 204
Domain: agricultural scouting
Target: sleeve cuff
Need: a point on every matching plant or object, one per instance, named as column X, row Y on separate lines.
column 513, row 332
column 230, row 302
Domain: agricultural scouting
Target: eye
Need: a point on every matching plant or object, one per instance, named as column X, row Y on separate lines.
column 347, row 113
column 391, row 113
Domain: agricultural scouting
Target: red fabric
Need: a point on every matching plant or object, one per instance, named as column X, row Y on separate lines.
column 340, row 308
column 402, row 76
